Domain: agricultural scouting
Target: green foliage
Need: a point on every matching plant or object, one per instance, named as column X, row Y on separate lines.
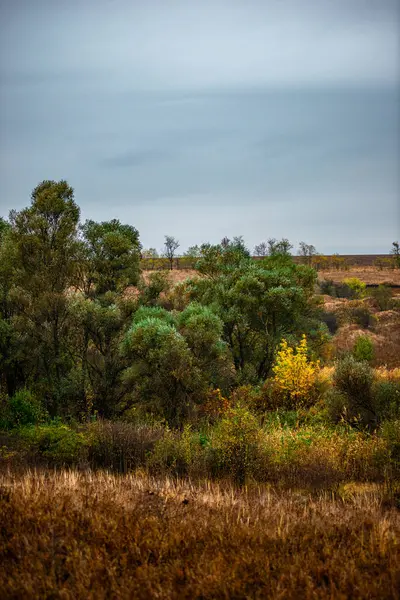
column 235, row 444
column 58, row 444
column 257, row 304
column 382, row 296
column 101, row 325
column 390, row 433
column 39, row 265
column 178, row 453
column 157, row 284
column 202, row 330
column 357, row 286
column 112, row 252
column 163, row 374
column 386, row 396
column 363, row 348
column 20, row 410
column 4, row 228
column 352, row 398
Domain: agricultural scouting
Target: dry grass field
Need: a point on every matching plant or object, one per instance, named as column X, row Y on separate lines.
column 369, row 275
column 86, row 536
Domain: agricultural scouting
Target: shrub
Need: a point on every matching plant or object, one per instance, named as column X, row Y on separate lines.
column 362, row 316
column 363, row 348
column 157, row 284
column 121, row 446
column 342, row 290
column 390, row 432
column 386, row 396
column 382, row 296
column 357, row 286
column 294, row 374
column 180, row 453
column 352, row 399
column 58, row 444
column 327, row 286
column 215, row 405
column 235, row 445
column 330, row 320
column 356, row 313
column 22, row 409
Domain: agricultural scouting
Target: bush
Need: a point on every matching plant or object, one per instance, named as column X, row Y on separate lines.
column 363, row 348
column 351, row 399
column 360, row 315
column 20, row 410
column 235, row 445
column 357, row 286
column 178, row 453
column 330, row 320
column 294, row 374
column 327, row 287
column 356, row 313
column 382, row 296
column 342, row 290
column 57, row 444
column 390, row 432
column 121, row 446
column 386, row 396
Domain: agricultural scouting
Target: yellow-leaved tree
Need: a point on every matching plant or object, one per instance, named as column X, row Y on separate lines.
column 294, row 374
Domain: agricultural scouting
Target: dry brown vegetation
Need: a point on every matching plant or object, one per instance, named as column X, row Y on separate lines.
column 384, row 330
column 369, row 275
column 82, row 535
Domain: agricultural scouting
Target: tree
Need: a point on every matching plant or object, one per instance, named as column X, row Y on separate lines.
column 258, row 304
column 306, row 251
column 261, row 249
column 193, row 252
column 175, row 359
column 170, row 247
column 149, row 253
column 395, row 251
column 281, row 247
column 112, row 253
column 216, row 259
column 4, row 227
column 162, row 377
column 44, row 247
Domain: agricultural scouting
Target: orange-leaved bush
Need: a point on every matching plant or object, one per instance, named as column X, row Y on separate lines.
column 294, row 374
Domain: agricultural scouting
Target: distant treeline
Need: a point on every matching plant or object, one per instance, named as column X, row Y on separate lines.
column 319, row 262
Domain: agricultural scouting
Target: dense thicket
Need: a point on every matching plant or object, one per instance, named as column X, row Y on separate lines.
column 74, row 339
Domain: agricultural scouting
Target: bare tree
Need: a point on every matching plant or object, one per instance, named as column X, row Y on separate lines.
column 261, row 249
column 306, row 251
column 170, row 247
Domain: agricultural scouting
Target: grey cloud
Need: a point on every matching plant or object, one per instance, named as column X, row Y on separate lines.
column 134, row 158
column 261, row 118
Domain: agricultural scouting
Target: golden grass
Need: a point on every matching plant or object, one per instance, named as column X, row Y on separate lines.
column 77, row 535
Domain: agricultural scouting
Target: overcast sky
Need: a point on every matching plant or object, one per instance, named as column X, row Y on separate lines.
column 206, row 118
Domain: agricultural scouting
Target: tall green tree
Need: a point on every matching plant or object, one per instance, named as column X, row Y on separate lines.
column 258, row 303
column 112, row 255
column 43, row 246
